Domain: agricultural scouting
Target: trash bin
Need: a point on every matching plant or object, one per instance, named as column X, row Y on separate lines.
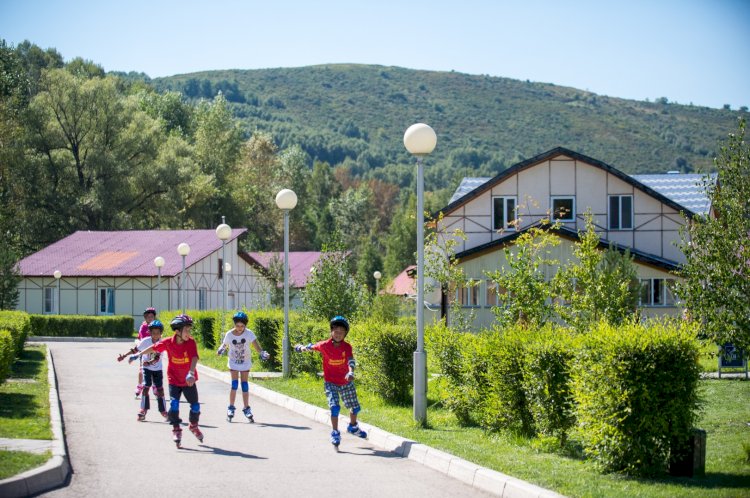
column 688, row 458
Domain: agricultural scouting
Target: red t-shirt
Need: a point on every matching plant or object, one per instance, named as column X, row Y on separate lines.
column 335, row 360
column 180, row 356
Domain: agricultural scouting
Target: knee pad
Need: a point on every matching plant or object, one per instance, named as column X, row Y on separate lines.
column 245, row 387
column 235, row 383
column 335, row 411
column 356, row 410
column 174, row 405
column 145, row 390
column 195, row 407
column 159, row 391
column 194, row 417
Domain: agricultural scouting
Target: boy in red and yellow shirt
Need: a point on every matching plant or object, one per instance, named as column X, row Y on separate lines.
column 338, row 373
column 181, row 375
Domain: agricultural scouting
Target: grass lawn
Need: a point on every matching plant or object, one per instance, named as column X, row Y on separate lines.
column 15, row 462
column 725, row 419
column 24, row 397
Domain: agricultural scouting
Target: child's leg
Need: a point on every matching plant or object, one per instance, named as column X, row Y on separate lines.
column 349, row 395
column 158, row 380
column 174, row 405
column 235, row 385
column 245, row 388
column 147, row 383
column 191, row 395
column 332, row 393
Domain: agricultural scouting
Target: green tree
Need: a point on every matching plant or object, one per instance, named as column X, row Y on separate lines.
column 596, row 285
column 321, row 188
column 401, row 241
column 331, row 290
column 524, row 291
column 716, row 286
column 10, row 277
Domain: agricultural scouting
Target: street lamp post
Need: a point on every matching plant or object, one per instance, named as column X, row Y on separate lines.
column 223, row 232
column 159, row 263
column 227, row 269
column 183, row 250
column 286, row 200
column 420, row 141
column 58, row 274
column 377, row 275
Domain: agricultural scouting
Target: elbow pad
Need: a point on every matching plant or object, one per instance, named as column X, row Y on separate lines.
column 352, row 363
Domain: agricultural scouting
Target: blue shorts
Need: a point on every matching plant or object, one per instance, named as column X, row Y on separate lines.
column 348, row 394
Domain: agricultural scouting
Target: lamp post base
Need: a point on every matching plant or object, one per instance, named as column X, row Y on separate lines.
column 420, row 387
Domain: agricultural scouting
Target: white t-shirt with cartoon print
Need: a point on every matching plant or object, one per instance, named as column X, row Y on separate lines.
column 238, row 347
column 151, row 361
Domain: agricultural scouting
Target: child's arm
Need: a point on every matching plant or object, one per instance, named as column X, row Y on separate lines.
column 262, row 353
column 352, row 364
column 190, row 378
column 300, row 348
column 133, row 350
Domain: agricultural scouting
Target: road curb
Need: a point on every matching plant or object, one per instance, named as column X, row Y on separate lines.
column 55, row 472
column 469, row 473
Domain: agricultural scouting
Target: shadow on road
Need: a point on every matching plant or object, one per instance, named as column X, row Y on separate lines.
column 372, row 452
column 223, row 452
column 284, row 426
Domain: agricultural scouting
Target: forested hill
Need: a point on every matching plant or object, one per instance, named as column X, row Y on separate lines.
column 356, row 115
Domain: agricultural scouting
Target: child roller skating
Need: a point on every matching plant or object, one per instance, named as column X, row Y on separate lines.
column 153, row 375
column 236, row 344
column 338, row 373
column 182, row 375
column 149, row 315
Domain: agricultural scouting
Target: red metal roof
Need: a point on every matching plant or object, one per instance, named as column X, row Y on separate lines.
column 404, row 283
column 127, row 253
column 300, row 263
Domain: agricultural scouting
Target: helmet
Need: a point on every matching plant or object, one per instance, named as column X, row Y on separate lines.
column 149, row 310
column 156, row 324
column 240, row 316
column 180, row 321
column 340, row 320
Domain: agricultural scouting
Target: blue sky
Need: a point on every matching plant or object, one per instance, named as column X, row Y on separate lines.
column 690, row 51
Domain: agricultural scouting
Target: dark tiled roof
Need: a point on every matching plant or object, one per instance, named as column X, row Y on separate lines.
column 127, row 253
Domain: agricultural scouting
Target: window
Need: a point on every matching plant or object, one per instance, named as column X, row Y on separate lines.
column 221, row 269
column 503, row 213
column 657, row 292
column 494, row 295
column 202, row 296
column 469, row 294
column 50, row 294
column 564, row 208
column 106, row 301
column 620, row 212
column 230, row 300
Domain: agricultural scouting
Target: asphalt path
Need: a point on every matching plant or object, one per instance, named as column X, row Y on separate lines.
column 283, row 454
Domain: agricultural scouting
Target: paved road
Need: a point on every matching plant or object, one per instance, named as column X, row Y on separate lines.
column 282, row 454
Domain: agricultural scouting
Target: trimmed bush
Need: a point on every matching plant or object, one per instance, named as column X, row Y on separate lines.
column 82, row 326
column 268, row 326
column 546, row 381
column 7, row 353
column 18, row 323
column 203, row 329
column 384, row 353
column 636, row 390
column 305, row 332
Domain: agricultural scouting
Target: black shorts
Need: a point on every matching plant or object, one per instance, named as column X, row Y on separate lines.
column 153, row 378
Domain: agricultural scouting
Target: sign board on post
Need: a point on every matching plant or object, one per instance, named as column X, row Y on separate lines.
column 732, row 357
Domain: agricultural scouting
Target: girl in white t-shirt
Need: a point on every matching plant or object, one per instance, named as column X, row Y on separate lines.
column 236, row 345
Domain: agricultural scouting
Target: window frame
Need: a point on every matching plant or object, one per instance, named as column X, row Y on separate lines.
column 109, row 299
column 507, row 222
column 468, row 295
column 51, row 299
column 202, row 298
column 620, row 218
column 666, row 297
column 572, row 217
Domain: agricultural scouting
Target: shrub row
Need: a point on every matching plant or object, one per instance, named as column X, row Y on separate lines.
column 622, row 393
column 81, row 326
column 18, row 324
column 7, row 353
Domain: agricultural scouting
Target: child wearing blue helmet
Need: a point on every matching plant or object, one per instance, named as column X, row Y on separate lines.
column 236, row 345
column 338, row 373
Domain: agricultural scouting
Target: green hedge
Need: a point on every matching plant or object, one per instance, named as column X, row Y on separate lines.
column 82, row 326
column 304, row 331
column 18, row 323
column 268, row 326
column 384, row 353
column 7, row 353
column 636, row 390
